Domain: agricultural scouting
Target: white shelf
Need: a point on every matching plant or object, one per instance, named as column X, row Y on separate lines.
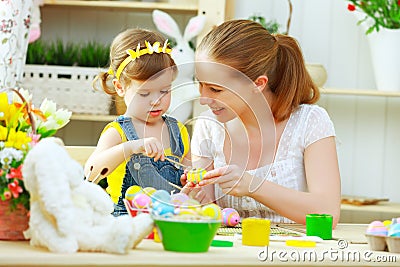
column 91, row 117
column 356, row 92
column 327, row 91
column 124, row 5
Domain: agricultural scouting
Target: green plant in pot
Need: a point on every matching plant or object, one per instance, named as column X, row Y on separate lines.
column 93, row 54
column 381, row 13
column 272, row 26
column 60, row 53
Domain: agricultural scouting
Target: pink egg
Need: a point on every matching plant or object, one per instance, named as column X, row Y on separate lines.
column 141, row 201
column 377, row 228
column 230, row 217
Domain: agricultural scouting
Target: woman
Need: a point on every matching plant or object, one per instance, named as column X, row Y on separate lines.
column 269, row 150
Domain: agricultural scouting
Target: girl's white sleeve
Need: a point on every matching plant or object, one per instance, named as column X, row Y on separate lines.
column 318, row 126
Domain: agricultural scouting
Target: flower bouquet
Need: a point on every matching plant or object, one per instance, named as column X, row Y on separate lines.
column 21, row 127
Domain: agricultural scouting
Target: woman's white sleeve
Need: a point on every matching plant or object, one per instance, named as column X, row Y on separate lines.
column 318, row 126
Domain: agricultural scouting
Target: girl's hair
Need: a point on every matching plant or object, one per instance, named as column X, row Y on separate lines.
column 139, row 69
column 248, row 47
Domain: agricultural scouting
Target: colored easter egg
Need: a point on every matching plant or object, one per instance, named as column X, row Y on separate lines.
column 377, row 228
column 161, row 196
column 149, row 190
column 162, row 208
column 213, row 211
column 387, row 223
column 196, row 175
column 185, row 212
column 132, row 191
column 178, row 199
column 230, row 217
column 141, row 201
column 395, row 220
column 191, row 204
column 394, row 230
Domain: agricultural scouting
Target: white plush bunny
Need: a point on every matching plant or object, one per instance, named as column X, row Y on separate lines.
column 68, row 214
column 184, row 91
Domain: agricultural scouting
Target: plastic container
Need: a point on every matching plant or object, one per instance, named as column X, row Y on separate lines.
column 319, row 225
column 132, row 210
column 186, row 236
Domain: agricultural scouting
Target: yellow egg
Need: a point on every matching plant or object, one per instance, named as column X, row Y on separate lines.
column 186, row 212
column 387, row 223
column 191, row 204
column 196, row 175
column 149, row 190
column 213, row 211
column 132, row 191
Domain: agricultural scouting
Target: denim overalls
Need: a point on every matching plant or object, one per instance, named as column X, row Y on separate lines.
column 144, row 171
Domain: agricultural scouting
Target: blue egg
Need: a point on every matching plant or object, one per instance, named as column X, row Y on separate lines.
column 161, row 208
column 394, row 230
column 161, row 196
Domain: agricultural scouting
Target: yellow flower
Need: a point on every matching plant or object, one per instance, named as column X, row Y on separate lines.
column 18, row 140
column 4, row 109
column 3, row 133
column 8, row 113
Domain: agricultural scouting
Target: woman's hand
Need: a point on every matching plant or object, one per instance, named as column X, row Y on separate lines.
column 149, row 146
column 197, row 192
column 232, row 180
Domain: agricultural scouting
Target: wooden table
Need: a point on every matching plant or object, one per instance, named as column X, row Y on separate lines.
column 149, row 253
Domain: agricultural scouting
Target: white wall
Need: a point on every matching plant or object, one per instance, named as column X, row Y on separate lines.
column 327, row 33
column 368, row 128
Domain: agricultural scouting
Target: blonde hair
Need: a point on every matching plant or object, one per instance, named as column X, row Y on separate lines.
column 248, row 47
column 141, row 68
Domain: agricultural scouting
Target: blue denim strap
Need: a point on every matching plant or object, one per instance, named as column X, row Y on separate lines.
column 175, row 137
column 127, row 126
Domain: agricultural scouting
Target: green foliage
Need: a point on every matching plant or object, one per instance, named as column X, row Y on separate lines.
column 90, row 54
column 384, row 13
column 93, row 55
column 58, row 53
column 272, row 26
column 36, row 53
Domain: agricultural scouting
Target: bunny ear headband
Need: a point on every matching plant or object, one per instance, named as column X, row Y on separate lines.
column 132, row 55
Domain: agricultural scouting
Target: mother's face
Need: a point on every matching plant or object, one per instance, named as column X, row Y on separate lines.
column 225, row 90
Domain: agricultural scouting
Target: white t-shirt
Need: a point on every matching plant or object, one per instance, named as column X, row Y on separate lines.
column 306, row 125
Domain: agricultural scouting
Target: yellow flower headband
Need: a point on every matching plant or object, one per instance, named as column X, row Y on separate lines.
column 150, row 49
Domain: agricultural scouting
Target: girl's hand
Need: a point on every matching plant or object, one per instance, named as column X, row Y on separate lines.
column 197, row 193
column 149, row 146
column 232, row 180
column 184, row 178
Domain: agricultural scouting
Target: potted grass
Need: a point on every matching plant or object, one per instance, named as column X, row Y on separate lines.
column 64, row 71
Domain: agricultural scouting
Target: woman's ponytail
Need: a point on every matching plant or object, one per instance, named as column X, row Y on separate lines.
column 291, row 83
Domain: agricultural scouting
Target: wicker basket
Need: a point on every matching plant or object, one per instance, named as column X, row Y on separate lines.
column 69, row 87
column 12, row 223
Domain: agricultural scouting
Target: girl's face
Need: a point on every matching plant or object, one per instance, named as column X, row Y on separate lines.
column 149, row 100
column 226, row 91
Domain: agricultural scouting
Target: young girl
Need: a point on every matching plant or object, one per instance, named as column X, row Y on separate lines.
column 132, row 149
column 269, row 150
